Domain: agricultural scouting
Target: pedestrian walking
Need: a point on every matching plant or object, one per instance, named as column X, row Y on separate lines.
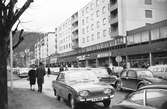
column 32, row 78
column 48, row 72
column 110, row 72
column 40, row 76
column 61, row 68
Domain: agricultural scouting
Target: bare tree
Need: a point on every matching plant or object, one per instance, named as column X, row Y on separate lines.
column 8, row 17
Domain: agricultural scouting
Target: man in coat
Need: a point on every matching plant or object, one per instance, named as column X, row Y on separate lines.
column 40, row 76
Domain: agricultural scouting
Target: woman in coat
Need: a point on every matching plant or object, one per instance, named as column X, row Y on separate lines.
column 32, row 78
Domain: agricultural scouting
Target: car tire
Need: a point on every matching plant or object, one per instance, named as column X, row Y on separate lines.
column 107, row 103
column 54, row 92
column 58, row 98
column 118, row 85
column 72, row 102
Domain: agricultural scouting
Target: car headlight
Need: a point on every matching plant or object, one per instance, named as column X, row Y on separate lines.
column 108, row 91
column 83, row 93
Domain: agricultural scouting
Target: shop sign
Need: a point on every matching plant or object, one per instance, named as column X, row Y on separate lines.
column 118, row 59
column 107, row 54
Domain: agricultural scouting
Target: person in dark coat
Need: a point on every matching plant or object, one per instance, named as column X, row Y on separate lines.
column 61, row 68
column 32, row 78
column 40, row 73
column 110, row 72
column 49, row 72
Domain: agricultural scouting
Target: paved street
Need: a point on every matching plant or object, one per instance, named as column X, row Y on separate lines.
column 47, row 95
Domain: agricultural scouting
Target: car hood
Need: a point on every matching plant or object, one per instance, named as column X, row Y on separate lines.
column 156, row 80
column 129, row 105
column 90, row 86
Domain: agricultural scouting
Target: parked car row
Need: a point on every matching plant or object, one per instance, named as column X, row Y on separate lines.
column 82, row 85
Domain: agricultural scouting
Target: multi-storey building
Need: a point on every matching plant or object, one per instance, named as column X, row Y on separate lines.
column 102, row 25
column 64, row 42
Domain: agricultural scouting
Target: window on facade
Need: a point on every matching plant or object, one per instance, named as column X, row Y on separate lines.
column 83, row 40
column 104, row 33
column 97, row 13
column 98, row 35
column 83, row 21
column 92, row 27
column 148, row 2
column 92, row 6
column 87, row 38
column 145, row 36
column 154, row 34
column 104, row 21
column 87, row 29
column 148, row 13
column 92, row 16
column 163, row 32
column 83, row 31
column 137, row 38
column 97, row 3
column 98, row 24
column 87, row 19
column 130, row 39
column 104, row 10
column 92, row 37
column 87, row 9
column 82, row 12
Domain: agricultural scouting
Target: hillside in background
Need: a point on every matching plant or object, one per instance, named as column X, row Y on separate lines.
column 30, row 38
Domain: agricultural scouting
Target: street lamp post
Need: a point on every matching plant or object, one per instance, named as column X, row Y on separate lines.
column 11, row 60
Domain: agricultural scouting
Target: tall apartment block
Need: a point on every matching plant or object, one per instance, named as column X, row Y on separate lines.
column 103, row 20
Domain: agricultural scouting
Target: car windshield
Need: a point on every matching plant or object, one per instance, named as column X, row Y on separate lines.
column 144, row 74
column 81, row 77
column 101, row 72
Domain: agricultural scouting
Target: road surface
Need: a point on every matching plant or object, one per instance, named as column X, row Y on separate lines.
column 47, row 100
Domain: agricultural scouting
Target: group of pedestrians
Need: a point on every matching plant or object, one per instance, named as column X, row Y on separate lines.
column 37, row 74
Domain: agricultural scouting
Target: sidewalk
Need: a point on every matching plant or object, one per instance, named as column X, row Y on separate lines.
column 27, row 99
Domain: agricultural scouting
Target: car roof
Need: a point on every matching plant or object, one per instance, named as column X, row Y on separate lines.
column 160, row 86
column 75, row 71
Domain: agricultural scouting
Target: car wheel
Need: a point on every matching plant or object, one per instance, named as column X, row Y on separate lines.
column 118, row 85
column 54, row 92
column 58, row 98
column 72, row 102
column 107, row 103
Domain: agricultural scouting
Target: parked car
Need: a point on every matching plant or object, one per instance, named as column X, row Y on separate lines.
column 134, row 78
column 81, row 86
column 23, row 72
column 103, row 76
column 147, row 97
column 159, row 71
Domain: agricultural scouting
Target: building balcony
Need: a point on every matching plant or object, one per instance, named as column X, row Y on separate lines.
column 114, row 33
column 114, row 20
column 74, row 29
column 74, row 20
column 74, row 37
column 113, row 6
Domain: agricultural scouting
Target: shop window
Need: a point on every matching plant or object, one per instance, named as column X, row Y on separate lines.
column 137, row 38
column 130, row 39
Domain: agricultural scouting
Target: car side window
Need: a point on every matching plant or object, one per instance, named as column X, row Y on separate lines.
column 123, row 74
column 137, row 97
column 61, row 77
column 132, row 74
column 156, row 98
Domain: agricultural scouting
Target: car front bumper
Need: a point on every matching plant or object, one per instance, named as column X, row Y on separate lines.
column 95, row 99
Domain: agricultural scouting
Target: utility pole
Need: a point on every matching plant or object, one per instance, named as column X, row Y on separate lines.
column 11, row 60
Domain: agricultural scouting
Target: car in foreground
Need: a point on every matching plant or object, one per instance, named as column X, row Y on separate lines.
column 81, row 86
column 147, row 97
column 159, row 71
column 134, row 78
column 103, row 76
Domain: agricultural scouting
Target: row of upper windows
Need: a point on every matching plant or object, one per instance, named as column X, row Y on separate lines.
column 64, row 47
column 92, row 26
column 66, row 39
column 104, row 8
column 158, row 33
column 94, row 37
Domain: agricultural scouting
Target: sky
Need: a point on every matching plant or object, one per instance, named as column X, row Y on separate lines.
column 46, row 15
